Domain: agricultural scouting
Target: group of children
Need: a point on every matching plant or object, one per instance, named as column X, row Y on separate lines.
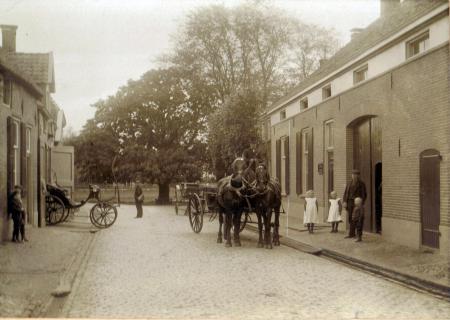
column 310, row 216
column 18, row 214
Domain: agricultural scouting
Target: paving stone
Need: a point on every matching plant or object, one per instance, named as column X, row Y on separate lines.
column 157, row 267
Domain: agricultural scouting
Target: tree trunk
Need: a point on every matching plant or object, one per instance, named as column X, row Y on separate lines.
column 163, row 195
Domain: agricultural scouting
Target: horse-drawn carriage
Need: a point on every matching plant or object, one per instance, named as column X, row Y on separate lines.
column 234, row 198
column 59, row 206
column 203, row 200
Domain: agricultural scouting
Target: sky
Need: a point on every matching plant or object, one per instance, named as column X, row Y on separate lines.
column 99, row 44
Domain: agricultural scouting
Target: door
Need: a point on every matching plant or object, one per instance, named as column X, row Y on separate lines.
column 430, row 197
column 62, row 162
column 366, row 155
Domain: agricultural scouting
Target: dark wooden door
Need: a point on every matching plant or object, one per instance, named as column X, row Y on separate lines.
column 362, row 161
column 430, row 197
column 366, row 154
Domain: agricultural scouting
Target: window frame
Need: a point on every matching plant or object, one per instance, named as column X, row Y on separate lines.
column 28, row 140
column 7, row 91
column 304, row 101
column 283, row 114
column 326, row 92
column 363, row 69
column 16, row 151
column 422, row 37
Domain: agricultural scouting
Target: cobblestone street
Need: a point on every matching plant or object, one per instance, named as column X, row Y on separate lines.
column 157, row 267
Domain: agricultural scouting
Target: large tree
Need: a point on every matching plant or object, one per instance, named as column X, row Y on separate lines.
column 248, row 49
column 158, row 123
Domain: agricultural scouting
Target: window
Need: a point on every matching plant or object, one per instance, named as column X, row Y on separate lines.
column 304, row 104
column 304, row 160
column 282, row 114
column 16, row 152
column 329, row 145
column 360, row 74
column 417, row 45
column 28, row 141
column 326, row 92
column 7, row 91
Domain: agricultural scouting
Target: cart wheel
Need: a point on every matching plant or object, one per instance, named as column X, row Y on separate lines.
column 54, row 209
column 244, row 218
column 176, row 201
column 66, row 215
column 195, row 211
column 103, row 215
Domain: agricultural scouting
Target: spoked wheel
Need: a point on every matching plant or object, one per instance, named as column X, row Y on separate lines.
column 54, row 209
column 195, row 211
column 103, row 215
column 244, row 218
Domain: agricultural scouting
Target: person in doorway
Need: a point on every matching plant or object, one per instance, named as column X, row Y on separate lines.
column 356, row 188
column 138, row 198
column 358, row 218
column 334, row 213
column 311, row 209
column 18, row 214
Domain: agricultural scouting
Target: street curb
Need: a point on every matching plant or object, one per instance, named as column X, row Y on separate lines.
column 67, row 278
column 409, row 281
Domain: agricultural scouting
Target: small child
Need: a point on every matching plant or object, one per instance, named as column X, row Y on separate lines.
column 311, row 208
column 334, row 213
column 358, row 218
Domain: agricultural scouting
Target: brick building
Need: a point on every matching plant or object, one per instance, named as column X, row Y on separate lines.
column 381, row 105
column 28, row 118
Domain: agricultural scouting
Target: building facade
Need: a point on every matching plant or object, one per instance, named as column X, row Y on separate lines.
column 27, row 127
column 380, row 105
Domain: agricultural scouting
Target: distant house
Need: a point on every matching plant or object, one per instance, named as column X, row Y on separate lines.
column 28, row 126
column 381, row 105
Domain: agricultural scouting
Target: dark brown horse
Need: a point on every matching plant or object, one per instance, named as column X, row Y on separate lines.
column 268, row 199
column 231, row 202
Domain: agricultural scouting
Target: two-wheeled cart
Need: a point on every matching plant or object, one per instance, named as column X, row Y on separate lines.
column 58, row 207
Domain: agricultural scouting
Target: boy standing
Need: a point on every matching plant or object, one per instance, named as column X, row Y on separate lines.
column 358, row 218
column 17, row 213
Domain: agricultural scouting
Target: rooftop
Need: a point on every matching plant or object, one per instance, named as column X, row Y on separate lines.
column 381, row 29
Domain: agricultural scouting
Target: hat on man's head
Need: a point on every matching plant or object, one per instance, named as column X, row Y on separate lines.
column 356, row 171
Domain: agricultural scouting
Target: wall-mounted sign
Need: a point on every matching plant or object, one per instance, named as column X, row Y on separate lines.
column 320, row 168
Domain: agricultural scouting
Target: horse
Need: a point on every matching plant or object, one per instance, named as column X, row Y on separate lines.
column 231, row 202
column 268, row 199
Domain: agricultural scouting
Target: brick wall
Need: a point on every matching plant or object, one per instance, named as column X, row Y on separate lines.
column 412, row 102
column 23, row 109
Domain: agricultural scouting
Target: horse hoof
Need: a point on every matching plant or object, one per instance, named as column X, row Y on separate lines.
column 227, row 245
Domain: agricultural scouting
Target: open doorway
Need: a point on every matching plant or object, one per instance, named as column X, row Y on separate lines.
column 378, row 193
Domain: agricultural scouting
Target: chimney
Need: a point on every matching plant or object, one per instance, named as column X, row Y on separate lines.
column 355, row 31
column 8, row 37
column 387, row 6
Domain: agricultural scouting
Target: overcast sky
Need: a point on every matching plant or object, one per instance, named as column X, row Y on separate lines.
column 99, row 44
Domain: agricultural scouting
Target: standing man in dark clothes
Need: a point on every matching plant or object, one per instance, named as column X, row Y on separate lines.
column 138, row 198
column 354, row 189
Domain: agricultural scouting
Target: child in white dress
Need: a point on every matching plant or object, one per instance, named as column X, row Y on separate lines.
column 311, row 208
column 334, row 214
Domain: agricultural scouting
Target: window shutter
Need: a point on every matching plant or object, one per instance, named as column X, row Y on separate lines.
column 269, row 156
column 278, row 159
column 311, row 161
column 298, row 162
column 286, row 166
column 10, row 153
column 23, row 157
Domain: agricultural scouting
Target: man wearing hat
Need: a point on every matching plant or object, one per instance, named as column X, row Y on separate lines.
column 138, row 197
column 354, row 189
